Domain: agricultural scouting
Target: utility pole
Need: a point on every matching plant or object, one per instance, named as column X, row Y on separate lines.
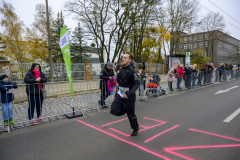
column 49, row 44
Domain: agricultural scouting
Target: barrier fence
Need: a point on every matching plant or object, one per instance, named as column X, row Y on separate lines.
column 87, row 96
column 19, row 70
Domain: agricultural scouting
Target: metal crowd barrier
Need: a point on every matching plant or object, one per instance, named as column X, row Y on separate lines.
column 201, row 78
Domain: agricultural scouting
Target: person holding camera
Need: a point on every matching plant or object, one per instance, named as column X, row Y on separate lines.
column 106, row 74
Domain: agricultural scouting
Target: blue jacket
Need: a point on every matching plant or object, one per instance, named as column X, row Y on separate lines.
column 6, row 97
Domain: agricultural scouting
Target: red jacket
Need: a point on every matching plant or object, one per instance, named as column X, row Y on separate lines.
column 180, row 72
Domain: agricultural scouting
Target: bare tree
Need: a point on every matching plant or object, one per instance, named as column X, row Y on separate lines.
column 213, row 26
column 109, row 22
column 181, row 16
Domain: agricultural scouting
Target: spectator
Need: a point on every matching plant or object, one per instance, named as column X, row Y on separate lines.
column 133, row 65
column 187, row 77
column 219, row 69
column 180, row 73
column 193, row 75
column 224, row 71
column 170, row 77
column 115, row 65
column 231, row 69
column 34, row 80
column 205, row 72
column 117, row 68
column 175, row 72
column 106, row 74
column 7, row 97
column 209, row 73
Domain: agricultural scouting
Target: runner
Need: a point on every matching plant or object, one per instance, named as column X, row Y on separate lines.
column 124, row 102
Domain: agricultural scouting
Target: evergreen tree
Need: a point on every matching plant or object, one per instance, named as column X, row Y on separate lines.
column 55, row 37
column 79, row 46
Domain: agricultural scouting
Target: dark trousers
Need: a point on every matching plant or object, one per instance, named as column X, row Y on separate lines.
column 120, row 106
column 205, row 78
column 187, row 81
column 199, row 83
column 34, row 100
column 170, row 85
column 104, row 95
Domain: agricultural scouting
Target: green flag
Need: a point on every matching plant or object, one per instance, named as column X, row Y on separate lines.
column 65, row 47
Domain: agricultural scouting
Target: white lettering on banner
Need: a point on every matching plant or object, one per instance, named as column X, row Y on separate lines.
column 64, row 40
column 66, row 50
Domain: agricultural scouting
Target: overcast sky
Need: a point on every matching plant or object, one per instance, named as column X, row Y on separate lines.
column 25, row 9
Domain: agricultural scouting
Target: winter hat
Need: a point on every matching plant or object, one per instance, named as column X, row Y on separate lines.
column 109, row 64
column 3, row 76
column 132, row 64
column 119, row 65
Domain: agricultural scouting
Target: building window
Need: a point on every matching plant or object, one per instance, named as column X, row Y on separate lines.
column 195, row 37
column 190, row 38
column 201, row 36
column 185, row 38
column 200, row 44
column 180, row 46
column 190, row 46
column 185, row 46
column 195, row 45
column 206, row 35
column 206, row 44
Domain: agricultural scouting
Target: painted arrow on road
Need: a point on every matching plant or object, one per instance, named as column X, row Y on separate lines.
column 226, row 90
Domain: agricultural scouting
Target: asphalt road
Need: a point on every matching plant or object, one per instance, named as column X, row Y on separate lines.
column 186, row 125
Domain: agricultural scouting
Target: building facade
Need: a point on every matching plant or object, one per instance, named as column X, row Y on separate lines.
column 220, row 47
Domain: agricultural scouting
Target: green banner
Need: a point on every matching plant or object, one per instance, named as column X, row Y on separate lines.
column 65, row 47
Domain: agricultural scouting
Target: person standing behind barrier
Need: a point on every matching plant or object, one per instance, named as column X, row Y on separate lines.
column 170, row 77
column 7, row 97
column 124, row 102
column 231, row 70
column 187, row 76
column 117, row 69
column 106, row 74
column 193, row 75
column 205, row 74
column 175, row 72
column 210, row 71
column 180, row 73
column 34, row 80
column 219, row 70
column 224, row 72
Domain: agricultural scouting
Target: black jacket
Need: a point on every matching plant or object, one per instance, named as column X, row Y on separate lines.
column 5, row 87
column 194, row 74
column 32, row 87
column 204, row 71
column 127, row 77
column 104, row 75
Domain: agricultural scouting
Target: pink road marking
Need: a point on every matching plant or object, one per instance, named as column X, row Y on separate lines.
column 160, row 133
column 133, row 144
column 152, row 127
column 215, row 134
column 170, row 150
column 142, row 126
column 127, row 135
column 153, row 119
column 114, row 122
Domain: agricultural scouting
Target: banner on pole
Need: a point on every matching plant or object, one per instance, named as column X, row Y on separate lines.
column 65, row 48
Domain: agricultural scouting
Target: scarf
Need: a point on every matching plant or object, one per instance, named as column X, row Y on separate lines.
column 37, row 75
